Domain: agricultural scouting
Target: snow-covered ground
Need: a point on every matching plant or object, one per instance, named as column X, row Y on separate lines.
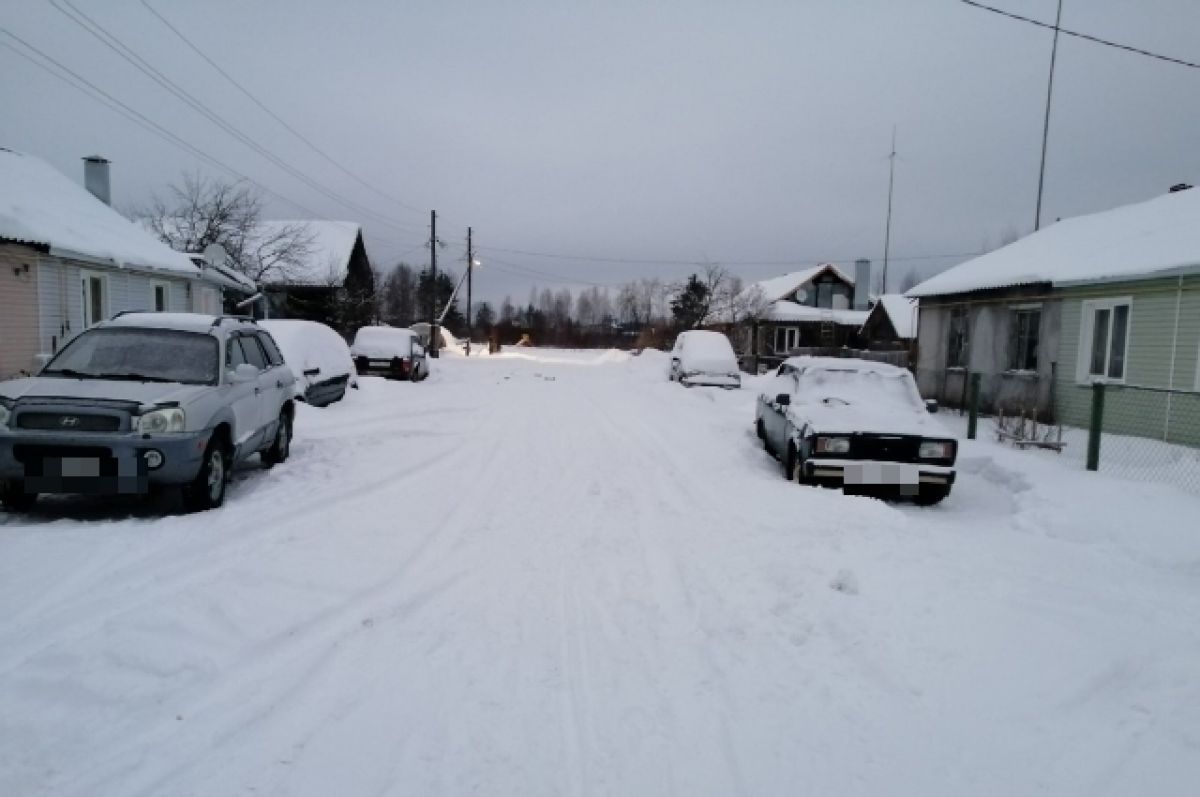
column 556, row 573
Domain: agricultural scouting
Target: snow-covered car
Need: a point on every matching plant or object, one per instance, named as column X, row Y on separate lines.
column 858, row 425
column 394, row 352
column 702, row 357
column 147, row 399
column 318, row 357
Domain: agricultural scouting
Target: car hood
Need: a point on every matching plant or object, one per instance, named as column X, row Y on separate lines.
column 35, row 387
column 832, row 417
column 708, row 364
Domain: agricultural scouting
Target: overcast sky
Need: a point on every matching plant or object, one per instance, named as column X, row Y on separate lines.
column 754, row 134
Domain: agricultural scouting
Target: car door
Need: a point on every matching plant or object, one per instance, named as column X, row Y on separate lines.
column 279, row 380
column 775, row 414
column 242, row 398
column 265, row 392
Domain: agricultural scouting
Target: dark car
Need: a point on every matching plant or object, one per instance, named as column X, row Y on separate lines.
column 858, row 425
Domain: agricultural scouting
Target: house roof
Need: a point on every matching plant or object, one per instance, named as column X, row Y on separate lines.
column 329, row 257
column 901, row 311
column 791, row 311
column 1158, row 237
column 779, row 287
column 41, row 206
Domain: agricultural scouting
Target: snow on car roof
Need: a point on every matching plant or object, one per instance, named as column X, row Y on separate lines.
column 383, row 333
column 192, row 322
column 39, row 205
column 1156, row 237
column 845, row 364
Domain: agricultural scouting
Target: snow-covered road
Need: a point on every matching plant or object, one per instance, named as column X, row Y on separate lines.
column 555, row 573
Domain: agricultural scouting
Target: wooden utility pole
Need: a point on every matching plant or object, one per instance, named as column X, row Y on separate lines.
column 433, row 320
column 1037, row 220
column 470, row 272
column 887, row 235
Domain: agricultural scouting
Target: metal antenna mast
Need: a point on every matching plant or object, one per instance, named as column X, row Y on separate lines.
column 887, row 235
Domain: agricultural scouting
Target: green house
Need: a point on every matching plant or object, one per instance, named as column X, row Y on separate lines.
column 1112, row 297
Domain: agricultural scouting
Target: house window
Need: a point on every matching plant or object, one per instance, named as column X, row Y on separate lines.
column 1104, row 340
column 956, row 356
column 1023, row 350
column 162, row 296
column 786, row 339
column 94, row 298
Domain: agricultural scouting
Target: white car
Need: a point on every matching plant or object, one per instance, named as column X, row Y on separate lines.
column 394, row 352
column 318, row 357
column 701, row 357
column 858, row 425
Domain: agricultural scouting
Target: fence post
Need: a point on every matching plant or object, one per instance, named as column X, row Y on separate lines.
column 1096, row 428
column 973, row 401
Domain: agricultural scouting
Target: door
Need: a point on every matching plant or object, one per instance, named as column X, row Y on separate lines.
column 277, row 380
column 243, row 398
column 95, row 297
column 775, row 418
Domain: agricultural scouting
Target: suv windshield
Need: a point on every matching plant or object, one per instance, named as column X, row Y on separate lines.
column 136, row 353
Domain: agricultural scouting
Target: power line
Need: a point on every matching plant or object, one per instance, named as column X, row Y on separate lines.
column 274, row 115
column 797, row 262
column 113, row 43
column 95, row 92
column 1085, row 36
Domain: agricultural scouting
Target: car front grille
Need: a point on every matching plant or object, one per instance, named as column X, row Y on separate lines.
column 68, row 422
column 30, row 452
column 885, row 448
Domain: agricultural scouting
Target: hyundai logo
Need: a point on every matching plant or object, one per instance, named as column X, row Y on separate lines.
column 68, row 421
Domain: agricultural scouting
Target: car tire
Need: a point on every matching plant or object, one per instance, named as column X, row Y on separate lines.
column 789, row 463
column 14, row 498
column 281, row 446
column 207, row 490
column 415, row 375
column 928, row 496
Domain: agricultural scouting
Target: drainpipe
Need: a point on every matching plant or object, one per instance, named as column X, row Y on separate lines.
column 1174, row 348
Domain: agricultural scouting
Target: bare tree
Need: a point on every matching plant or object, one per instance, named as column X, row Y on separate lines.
column 200, row 211
column 400, row 296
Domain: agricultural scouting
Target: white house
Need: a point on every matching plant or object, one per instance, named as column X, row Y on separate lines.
column 68, row 260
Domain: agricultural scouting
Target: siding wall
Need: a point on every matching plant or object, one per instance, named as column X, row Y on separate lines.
column 1152, row 324
column 60, row 297
column 18, row 309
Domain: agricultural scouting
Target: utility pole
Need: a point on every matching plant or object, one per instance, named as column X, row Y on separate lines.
column 433, row 321
column 470, row 271
column 1037, row 220
column 887, row 235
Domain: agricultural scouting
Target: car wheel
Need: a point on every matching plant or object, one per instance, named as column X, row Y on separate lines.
column 789, row 463
column 207, row 490
column 760, row 430
column 281, row 447
column 928, row 496
column 14, row 497
column 415, row 376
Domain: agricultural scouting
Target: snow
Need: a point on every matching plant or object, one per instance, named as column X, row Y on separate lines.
column 332, row 244
column 38, row 205
column 384, row 342
column 558, row 573
column 1155, row 238
column 902, row 312
column 782, row 286
column 832, row 395
column 306, row 345
column 707, row 352
column 791, row 311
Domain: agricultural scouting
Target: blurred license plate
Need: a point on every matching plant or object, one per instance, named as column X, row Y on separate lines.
column 72, row 467
column 880, row 473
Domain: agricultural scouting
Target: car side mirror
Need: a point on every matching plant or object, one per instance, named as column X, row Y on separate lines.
column 243, row 373
column 931, row 405
column 312, row 372
column 783, row 399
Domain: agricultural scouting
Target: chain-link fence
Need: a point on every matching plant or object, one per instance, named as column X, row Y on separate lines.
column 1145, row 433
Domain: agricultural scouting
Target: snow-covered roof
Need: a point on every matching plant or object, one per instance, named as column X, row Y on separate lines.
column 779, row 287
column 223, row 275
column 901, row 311
column 791, row 311
column 332, row 243
column 1158, row 237
column 41, row 206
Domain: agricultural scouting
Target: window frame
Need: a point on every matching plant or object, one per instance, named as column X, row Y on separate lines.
column 85, row 297
column 1087, row 328
column 1015, row 348
column 166, row 289
column 964, row 348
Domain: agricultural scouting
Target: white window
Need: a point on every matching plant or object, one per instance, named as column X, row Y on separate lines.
column 1104, row 340
column 94, row 296
column 160, row 296
column 786, row 339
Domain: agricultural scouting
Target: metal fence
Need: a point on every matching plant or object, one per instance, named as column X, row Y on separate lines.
column 1145, row 433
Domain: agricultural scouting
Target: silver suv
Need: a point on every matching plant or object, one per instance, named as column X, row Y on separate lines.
column 147, row 399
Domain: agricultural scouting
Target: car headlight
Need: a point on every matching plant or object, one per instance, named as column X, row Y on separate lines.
column 833, row 445
column 5, row 412
column 936, row 449
column 160, row 421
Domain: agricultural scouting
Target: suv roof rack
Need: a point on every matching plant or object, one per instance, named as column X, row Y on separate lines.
column 239, row 318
